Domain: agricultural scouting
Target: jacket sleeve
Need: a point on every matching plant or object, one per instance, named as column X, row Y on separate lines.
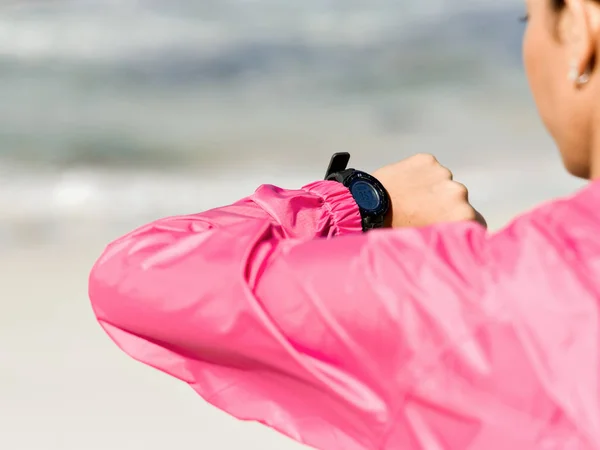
column 438, row 338
column 321, row 209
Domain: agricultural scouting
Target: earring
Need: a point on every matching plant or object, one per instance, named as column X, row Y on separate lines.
column 576, row 77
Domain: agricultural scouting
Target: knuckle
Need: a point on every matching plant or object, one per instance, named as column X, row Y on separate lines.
column 467, row 213
column 446, row 173
column 426, row 158
column 460, row 190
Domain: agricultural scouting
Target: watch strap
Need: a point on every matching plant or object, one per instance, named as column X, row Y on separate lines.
column 372, row 223
column 341, row 176
column 338, row 171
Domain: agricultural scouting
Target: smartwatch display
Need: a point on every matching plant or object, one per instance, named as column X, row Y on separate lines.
column 371, row 197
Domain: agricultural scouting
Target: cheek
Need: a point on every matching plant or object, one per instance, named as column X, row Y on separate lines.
column 540, row 73
column 546, row 67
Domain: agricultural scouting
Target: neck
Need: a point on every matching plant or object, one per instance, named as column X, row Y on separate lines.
column 595, row 161
column 595, row 171
column 595, row 150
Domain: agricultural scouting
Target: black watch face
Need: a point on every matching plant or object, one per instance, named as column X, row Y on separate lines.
column 365, row 195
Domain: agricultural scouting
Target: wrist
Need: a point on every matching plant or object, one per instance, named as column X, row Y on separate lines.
column 388, row 220
column 368, row 192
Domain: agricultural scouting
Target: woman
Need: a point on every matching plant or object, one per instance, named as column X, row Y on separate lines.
column 279, row 309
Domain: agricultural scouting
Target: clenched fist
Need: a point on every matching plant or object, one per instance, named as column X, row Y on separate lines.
column 423, row 192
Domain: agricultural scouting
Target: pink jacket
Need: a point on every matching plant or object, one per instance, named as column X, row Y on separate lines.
column 278, row 309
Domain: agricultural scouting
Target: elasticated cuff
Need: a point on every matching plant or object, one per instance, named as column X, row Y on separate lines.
column 341, row 205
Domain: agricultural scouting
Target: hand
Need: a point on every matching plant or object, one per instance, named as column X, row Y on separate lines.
column 423, row 192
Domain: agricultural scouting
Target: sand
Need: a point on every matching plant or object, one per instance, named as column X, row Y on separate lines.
column 65, row 386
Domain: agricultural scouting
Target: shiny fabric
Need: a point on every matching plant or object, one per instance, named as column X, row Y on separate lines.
column 278, row 309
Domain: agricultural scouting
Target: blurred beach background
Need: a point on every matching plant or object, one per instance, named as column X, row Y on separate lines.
column 117, row 112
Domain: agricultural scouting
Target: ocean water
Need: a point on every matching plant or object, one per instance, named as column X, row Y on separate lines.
column 104, row 103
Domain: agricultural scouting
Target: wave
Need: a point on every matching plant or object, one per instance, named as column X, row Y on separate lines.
column 165, row 84
column 101, row 32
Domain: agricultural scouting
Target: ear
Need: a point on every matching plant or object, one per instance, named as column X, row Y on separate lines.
column 582, row 32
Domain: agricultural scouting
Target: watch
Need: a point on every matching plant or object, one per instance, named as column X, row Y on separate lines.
column 371, row 197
